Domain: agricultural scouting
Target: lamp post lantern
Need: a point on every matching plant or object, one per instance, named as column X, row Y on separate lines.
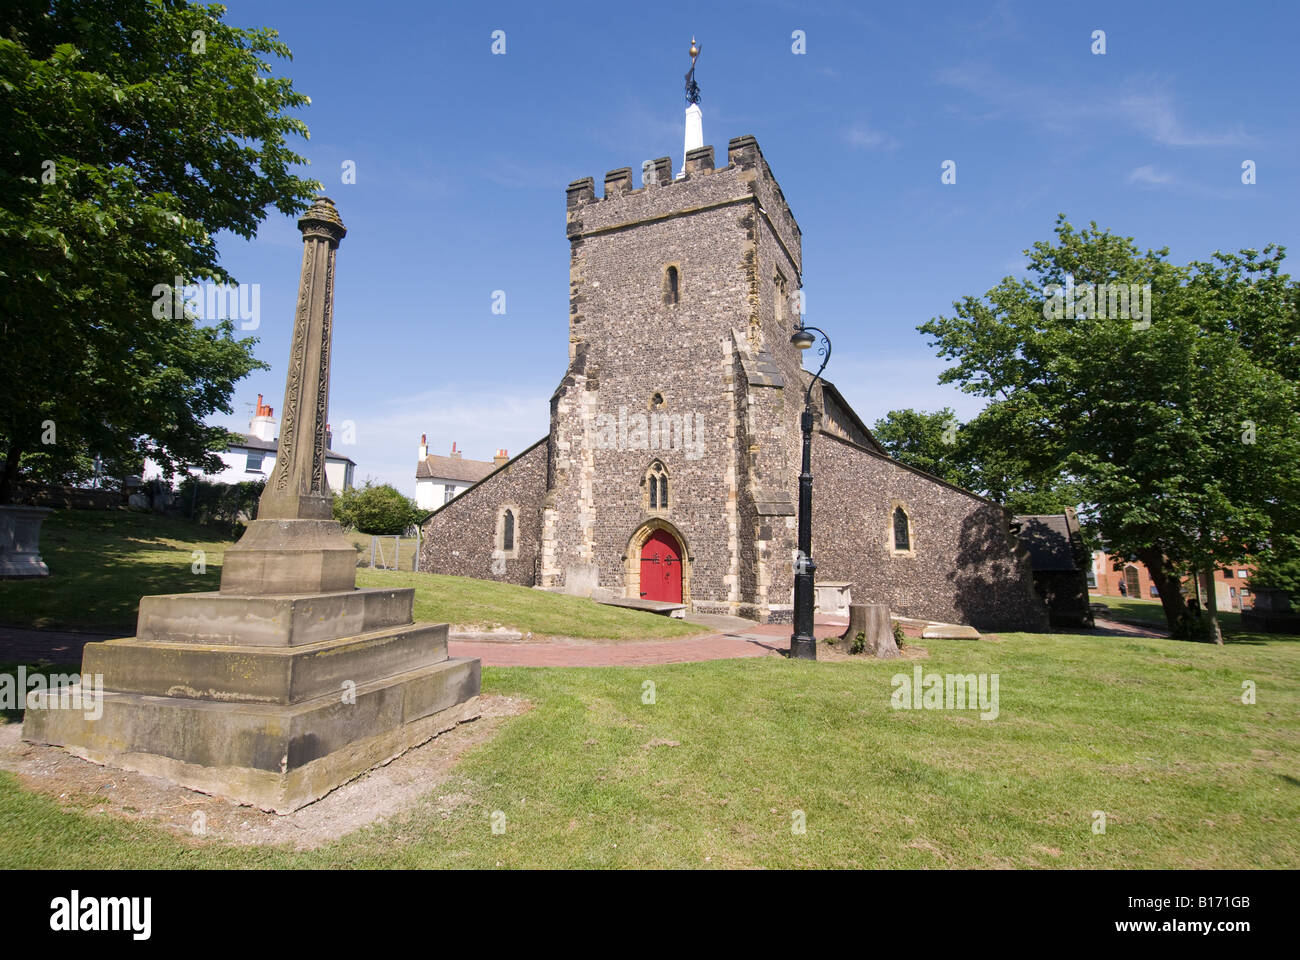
column 803, row 644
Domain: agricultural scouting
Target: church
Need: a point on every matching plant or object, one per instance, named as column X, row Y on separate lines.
column 671, row 469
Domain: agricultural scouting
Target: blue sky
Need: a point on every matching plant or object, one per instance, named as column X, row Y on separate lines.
column 462, row 158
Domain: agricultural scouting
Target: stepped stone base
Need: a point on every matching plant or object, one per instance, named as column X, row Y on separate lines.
column 271, row 700
column 274, row 757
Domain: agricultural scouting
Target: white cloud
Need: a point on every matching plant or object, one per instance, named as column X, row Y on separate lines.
column 479, row 421
column 1143, row 106
column 863, row 136
column 1149, row 174
column 1154, row 115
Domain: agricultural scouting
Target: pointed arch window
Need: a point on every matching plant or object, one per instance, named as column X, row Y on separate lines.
column 506, row 539
column 900, row 530
column 656, row 484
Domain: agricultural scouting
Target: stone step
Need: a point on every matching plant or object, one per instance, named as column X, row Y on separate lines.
column 661, row 607
column 271, row 621
column 272, row 675
column 277, row 757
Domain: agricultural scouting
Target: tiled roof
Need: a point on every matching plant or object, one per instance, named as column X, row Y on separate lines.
column 1051, row 542
column 453, row 468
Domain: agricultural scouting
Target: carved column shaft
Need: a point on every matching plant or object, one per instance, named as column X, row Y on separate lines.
column 298, row 488
column 295, row 546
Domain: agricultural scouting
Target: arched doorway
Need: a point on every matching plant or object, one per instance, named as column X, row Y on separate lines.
column 1131, row 581
column 661, row 568
column 658, row 563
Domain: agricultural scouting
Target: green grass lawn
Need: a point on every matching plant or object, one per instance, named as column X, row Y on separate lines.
column 1152, row 732
column 714, row 773
column 1150, row 611
column 103, row 561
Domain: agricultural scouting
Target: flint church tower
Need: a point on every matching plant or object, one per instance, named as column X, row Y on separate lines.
column 670, row 472
column 680, row 313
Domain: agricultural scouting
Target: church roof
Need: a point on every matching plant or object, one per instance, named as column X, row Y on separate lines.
column 841, row 418
column 453, row 468
column 1053, row 542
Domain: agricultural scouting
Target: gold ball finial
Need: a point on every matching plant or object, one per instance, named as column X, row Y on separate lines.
column 695, row 51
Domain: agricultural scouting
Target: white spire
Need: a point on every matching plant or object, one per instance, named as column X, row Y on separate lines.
column 694, row 133
column 694, row 119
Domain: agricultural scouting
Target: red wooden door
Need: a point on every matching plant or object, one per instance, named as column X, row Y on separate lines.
column 661, row 568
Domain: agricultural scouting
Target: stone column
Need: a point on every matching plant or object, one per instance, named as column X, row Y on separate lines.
column 294, row 545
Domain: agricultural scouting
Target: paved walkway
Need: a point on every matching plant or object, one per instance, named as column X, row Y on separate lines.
column 738, row 638
column 56, row 646
column 733, row 638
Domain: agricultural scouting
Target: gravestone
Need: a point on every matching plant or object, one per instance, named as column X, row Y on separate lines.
column 20, row 542
column 287, row 681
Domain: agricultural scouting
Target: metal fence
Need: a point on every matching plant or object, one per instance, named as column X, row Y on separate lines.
column 395, row 553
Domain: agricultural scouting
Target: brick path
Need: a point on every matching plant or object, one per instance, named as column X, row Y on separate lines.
column 758, row 640
column 25, row 646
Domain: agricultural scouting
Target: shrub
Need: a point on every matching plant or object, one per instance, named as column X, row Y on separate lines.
column 377, row 510
column 222, row 505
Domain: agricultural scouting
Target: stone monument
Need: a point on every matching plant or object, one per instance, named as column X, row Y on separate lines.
column 20, row 542
column 288, row 681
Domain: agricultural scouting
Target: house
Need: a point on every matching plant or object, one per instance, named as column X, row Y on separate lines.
column 1060, row 563
column 1113, row 576
column 439, row 479
column 252, row 457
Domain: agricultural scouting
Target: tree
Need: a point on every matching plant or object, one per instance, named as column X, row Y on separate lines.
column 1180, row 439
column 133, row 133
column 378, row 510
column 983, row 456
column 926, row 441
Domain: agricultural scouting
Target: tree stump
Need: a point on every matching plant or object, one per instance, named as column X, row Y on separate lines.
column 872, row 621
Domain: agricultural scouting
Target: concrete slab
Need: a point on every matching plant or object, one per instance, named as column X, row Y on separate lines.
column 677, row 610
column 949, row 631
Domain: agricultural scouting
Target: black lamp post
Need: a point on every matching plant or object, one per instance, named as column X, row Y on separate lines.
column 803, row 644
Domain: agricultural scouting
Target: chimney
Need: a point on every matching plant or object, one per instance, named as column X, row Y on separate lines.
column 455, row 454
column 262, row 425
column 500, row 458
column 424, row 446
column 329, row 437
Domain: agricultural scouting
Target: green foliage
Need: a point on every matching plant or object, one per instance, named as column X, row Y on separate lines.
column 926, row 441
column 1180, row 438
column 1280, row 569
column 224, row 506
column 134, row 134
column 378, row 510
column 859, row 643
column 899, row 636
column 982, row 456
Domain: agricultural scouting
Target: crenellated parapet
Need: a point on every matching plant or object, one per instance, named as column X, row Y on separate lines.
column 745, row 178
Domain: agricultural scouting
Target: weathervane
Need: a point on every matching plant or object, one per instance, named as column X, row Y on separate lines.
column 692, row 88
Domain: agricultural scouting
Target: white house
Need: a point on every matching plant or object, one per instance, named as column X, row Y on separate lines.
column 253, row 457
column 438, row 479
